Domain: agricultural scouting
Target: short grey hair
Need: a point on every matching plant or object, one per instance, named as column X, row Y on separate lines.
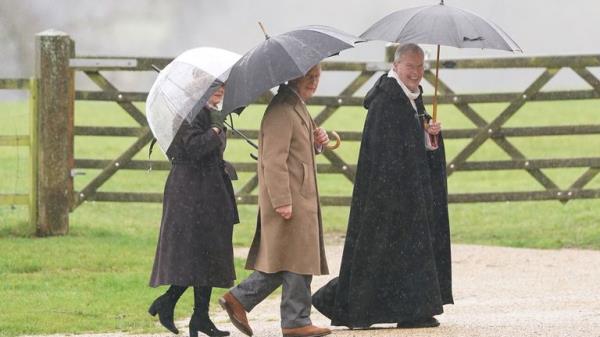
column 405, row 49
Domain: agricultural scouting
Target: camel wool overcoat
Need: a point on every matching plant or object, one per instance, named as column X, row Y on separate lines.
column 287, row 175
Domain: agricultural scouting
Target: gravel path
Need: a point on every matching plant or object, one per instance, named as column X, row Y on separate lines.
column 498, row 292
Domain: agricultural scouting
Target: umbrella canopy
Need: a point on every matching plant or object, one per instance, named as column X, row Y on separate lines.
column 440, row 25
column 279, row 59
column 182, row 89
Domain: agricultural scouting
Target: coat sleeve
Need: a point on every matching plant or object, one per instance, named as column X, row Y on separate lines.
column 276, row 132
column 199, row 140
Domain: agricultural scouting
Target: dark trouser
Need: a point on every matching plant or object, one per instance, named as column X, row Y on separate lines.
column 295, row 297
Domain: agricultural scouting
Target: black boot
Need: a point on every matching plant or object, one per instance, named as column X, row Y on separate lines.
column 200, row 320
column 164, row 306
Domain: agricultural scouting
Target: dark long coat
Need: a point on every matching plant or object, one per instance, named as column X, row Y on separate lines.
column 396, row 260
column 199, row 211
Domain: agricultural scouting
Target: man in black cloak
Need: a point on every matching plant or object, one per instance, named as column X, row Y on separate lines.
column 396, row 261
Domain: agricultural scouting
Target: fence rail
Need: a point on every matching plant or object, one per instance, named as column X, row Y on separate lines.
column 30, row 141
column 51, row 140
column 483, row 130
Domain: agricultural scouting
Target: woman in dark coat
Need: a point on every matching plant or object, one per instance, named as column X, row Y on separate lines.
column 199, row 211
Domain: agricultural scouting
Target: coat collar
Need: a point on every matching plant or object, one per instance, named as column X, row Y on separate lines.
column 390, row 87
column 410, row 94
column 292, row 98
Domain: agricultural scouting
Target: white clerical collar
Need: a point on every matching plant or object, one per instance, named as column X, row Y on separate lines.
column 410, row 94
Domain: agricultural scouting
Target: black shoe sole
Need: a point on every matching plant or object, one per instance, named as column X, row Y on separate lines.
column 419, row 325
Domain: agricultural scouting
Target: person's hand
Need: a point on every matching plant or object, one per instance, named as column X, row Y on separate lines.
column 434, row 127
column 321, row 137
column 285, row 211
column 216, row 120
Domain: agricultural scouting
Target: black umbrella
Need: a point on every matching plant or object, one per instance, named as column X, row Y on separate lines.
column 279, row 59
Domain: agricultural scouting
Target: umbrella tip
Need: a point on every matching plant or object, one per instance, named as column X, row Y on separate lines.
column 157, row 69
column 264, row 30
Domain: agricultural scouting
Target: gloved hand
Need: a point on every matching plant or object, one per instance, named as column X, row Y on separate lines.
column 216, row 119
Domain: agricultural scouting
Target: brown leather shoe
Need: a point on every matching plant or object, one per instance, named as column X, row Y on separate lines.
column 306, row 331
column 236, row 312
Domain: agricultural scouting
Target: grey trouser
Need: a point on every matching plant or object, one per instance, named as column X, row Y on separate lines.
column 295, row 297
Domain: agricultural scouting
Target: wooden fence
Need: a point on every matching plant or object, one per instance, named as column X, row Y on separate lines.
column 23, row 140
column 56, row 88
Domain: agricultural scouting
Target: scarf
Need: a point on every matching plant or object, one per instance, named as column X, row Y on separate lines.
column 412, row 96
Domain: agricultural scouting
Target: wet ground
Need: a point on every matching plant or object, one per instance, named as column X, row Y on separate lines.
column 499, row 292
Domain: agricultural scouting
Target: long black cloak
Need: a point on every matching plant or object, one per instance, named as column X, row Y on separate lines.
column 396, row 260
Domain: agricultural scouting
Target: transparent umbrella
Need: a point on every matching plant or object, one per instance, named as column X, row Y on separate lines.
column 182, row 89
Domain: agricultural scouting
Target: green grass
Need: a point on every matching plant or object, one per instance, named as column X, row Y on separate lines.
column 95, row 278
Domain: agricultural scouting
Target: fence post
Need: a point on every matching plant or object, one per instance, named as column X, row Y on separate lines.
column 54, row 130
column 390, row 50
column 33, row 151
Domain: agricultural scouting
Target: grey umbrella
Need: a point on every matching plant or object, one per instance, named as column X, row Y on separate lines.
column 279, row 59
column 440, row 25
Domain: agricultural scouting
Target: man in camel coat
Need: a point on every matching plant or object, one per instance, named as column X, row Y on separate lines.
column 288, row 245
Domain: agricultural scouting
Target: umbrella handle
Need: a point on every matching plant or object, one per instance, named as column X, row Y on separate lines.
column 338, row 141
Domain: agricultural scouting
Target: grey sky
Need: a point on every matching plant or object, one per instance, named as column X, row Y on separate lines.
column 166, row 28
